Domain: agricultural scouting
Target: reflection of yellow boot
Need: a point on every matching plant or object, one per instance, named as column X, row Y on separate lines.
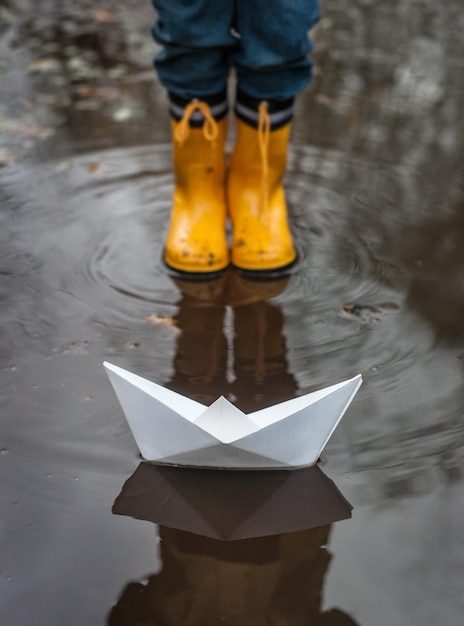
column 262, row 240
column 196, row 240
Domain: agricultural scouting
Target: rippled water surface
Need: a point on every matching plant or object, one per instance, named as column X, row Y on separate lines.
column 376, row 195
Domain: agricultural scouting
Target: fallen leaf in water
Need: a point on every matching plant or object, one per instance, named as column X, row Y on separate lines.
column 44, row 65
column 79, row 68
column 62, row 166
column 104, row 16
column 7, row 17
column 102, row 93
column 326, row 23
column 26, row 130
column 5, row 157
column 362, row 313
column 118, row 72
column 87, row 104
column 323, row 98
column 95, row 167
column 158, row 320
column 123, row 114
column 366, row 313
column 76, row 347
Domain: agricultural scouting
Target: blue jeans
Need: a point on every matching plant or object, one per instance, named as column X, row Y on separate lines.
column 266, row 41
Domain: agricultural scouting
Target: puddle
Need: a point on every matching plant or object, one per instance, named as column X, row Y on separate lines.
column 375, row 191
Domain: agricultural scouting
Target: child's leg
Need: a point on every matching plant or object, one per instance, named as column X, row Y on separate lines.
column 272, row 58
column 193, row 66
column 272, row 66
column 196, row 40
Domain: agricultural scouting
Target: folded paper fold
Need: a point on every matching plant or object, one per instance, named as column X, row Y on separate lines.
column 172, row 429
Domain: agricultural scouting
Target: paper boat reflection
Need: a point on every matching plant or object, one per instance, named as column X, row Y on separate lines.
column 232, row 505
column 172, row 429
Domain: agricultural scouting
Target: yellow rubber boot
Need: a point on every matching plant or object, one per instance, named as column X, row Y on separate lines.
column 196, row 239
column 262, row 241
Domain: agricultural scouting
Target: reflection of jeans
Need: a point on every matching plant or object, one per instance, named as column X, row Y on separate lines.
column 265, row 40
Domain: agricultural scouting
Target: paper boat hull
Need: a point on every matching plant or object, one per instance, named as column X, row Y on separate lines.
column 289, row 435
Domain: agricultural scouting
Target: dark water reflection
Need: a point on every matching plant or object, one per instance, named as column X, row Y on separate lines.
column 375, row 188
column 232, row 506
column 278, row 578
column 257, row 575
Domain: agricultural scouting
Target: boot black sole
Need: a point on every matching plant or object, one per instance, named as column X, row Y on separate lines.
column 194, row 276
column 270, row 274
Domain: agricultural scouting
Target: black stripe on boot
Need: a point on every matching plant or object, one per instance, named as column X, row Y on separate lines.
column 217, row 103
column 280, row 111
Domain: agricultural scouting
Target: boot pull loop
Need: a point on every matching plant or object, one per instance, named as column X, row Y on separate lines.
column 264, row 131
column 210, row 127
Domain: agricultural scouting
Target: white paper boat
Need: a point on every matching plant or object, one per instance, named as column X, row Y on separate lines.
column 172, row 429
